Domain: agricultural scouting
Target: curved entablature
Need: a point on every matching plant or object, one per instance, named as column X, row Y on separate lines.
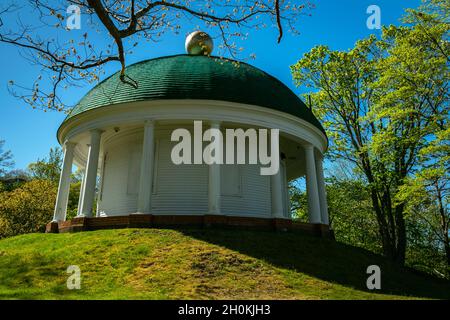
column 189, row 110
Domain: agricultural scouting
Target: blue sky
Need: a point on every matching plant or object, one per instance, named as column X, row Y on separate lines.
column 29, row 134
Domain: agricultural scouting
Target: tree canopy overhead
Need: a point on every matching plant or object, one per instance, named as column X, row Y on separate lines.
column 68, row 61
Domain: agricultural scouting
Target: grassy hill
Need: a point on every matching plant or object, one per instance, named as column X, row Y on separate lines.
column 199, row 264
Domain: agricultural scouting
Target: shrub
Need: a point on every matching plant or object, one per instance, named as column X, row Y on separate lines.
column 28, row 208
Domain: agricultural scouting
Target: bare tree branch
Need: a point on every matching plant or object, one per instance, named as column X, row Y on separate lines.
column 72, row 61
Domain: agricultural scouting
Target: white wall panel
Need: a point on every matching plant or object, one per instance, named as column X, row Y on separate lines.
column 178, row 189
column 121, row 177
column 254, row 199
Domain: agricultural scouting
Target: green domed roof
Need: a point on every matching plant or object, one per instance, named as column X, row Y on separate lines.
column 196, row 77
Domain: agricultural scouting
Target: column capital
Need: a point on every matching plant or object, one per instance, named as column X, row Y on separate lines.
column 96, row 131
column 149, row 122
column 319, row 157
column 308, row 146
column 69, row 144
column 215, row 123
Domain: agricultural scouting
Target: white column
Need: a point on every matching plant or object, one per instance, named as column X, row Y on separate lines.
column 146, row 175
column 214, row 181
column 287, row 201
column 322, row 191
column 90, row 179
column 100, row 185
column 276, row 186
column 80, row 197
column 64, row 183
column 311, row 185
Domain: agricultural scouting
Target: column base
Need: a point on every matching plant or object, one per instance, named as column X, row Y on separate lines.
column 281, row 224
column 213, row 220
column 140, row 220
column 52, row 227
column 315, row 229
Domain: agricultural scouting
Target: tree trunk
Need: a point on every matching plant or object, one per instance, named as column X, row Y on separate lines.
column 382, row 226
column 444, row 224
column 391, row 224
column 401, row 235
column 447, row 252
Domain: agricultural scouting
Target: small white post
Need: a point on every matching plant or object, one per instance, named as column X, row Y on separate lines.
column 311, row 185
column 90, row 179
column 146, row 174
column 64, row 183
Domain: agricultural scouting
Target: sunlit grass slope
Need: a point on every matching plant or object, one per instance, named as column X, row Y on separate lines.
column 199, row 264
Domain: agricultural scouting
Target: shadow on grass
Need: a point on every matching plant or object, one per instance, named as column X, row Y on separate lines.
column 325, row 259
column 23, row 277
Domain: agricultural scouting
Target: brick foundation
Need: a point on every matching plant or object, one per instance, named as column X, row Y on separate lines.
column 199, row 221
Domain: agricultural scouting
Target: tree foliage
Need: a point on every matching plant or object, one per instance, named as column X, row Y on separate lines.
column 27, row 200
column 383, row 103
column 6, row 157
column 48, row 168
column 28, row 208
column 349, row 207
column 298, row 201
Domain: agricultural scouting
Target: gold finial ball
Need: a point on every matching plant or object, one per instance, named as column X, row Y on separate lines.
column 199, row 43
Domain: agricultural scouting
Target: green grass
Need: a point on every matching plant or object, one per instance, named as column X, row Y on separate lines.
column 199, row 264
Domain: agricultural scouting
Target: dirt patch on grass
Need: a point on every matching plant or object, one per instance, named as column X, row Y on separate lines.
column 204, row 271
column 213, row 263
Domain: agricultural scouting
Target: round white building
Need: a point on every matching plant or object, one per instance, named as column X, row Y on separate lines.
column 121, row 138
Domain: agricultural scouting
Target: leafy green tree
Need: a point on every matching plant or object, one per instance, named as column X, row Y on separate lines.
column 5, row 159
column 74, row 195
column 28, row 208
column 13, row 179
column 379, row 103
column 349, row 206
column 423, row 74
column 298, row 201
column 425, row 243
column 48, row 168
column 427, row 191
